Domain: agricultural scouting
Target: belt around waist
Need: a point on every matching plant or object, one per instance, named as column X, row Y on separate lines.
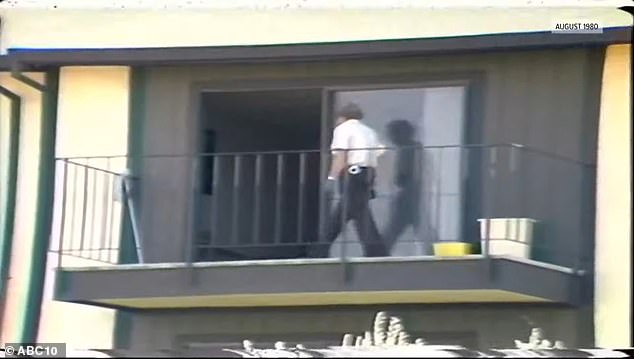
column 355, row 169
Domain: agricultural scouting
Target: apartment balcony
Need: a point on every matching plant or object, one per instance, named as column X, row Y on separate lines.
column 248, row 229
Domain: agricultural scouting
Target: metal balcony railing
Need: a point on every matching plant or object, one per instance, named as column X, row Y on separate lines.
column 279, row 204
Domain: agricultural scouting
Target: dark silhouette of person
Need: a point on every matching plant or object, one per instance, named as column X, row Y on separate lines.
column 405, row 205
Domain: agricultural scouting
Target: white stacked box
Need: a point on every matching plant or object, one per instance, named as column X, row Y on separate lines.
column 507, row 236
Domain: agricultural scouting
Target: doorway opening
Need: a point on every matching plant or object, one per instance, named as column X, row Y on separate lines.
column 259, row 174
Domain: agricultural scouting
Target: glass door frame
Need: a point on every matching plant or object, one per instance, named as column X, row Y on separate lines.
column 468, row 134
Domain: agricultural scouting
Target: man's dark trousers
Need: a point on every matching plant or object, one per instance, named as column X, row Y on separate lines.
column 356, row 191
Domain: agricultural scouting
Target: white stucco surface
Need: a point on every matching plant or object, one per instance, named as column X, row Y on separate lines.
column 27, row 25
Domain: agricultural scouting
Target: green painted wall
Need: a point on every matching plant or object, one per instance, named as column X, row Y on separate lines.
column 44, row 209
column 9, row 147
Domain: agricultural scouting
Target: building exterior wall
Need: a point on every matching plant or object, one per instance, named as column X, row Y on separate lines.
column 546, row 99
column 67, row 27
column 523, row 94
column 613, row 276
column 23, row 234
column 92, row 121
column 483, row 326
column 93, row 115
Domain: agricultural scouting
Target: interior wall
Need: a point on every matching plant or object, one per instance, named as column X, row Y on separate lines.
column 285, row 123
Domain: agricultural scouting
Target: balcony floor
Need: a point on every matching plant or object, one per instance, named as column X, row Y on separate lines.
column 301, row 282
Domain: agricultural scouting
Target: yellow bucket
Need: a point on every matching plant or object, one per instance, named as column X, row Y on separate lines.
column 452, row 249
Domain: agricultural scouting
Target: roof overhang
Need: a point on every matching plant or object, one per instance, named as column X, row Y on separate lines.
column 35, row 59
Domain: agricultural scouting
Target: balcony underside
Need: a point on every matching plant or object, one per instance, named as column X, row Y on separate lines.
column 470, row 279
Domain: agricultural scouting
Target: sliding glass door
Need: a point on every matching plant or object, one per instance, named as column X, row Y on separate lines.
column 419, row 184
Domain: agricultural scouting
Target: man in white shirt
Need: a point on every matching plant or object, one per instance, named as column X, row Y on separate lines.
column 355, row 151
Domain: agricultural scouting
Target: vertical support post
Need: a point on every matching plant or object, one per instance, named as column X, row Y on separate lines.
column 190, row 235
column 326, row 102
column 487, row 236
column 421, row 240
column 73, row 214
column 300, row 195
column 258, row 199
column 104, row 213
column 191, row 209
column 7, row 230
column 93, row 209
column 493, row 171
column 111, row 249
column 439, row 196
column 44, row 208
column 235, row 209
column 323, row 203
column 84, row 200
column 278, row 198
column 215, row 203
column 519, row 183
column 511, row 182
column 135, row 162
